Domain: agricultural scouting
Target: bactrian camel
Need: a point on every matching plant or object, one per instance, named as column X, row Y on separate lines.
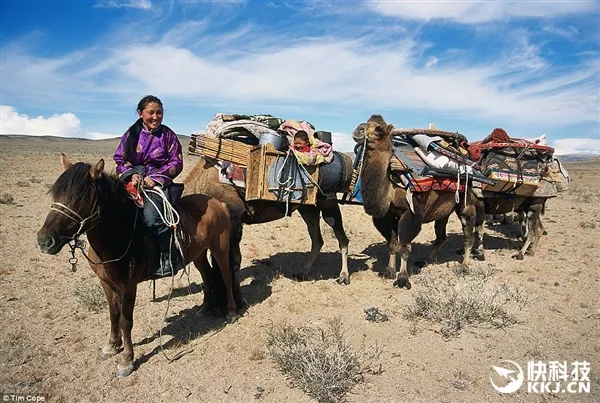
column 204, row 178
column 388, row 205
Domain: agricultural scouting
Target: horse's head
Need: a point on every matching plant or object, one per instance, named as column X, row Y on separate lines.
column 75, row 205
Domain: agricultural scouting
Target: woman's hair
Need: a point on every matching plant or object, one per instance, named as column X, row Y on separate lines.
column 136, row 128
column 302, row 135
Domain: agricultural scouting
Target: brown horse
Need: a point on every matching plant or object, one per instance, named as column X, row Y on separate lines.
column 87, row 201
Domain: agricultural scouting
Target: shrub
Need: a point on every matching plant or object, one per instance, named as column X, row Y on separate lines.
column 320, row 360
column 457, row 302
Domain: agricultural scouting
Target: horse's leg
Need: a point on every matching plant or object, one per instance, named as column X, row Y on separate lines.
column 114, row 341
column 311, row 215
column 440, row 238
column 408, row 228
column 221, row 255
column 201, row 263
column 333, row 217
column 127, row 300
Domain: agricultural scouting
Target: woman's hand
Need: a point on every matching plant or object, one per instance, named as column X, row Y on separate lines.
column 135, row 179
column 149, row 183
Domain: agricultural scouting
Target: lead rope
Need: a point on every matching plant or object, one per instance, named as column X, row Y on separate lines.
column 171, row 219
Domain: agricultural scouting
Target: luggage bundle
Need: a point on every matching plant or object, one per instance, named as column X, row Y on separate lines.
column 253, row 153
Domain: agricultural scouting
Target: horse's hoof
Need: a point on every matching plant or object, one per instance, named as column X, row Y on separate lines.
column 124, row 370
column 107, row 352
column 231, row 317
column 518, row 256
column 402, row 282
column 343, row 280
column 205, row 309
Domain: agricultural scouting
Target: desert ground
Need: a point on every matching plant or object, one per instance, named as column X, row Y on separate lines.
column 54, row 320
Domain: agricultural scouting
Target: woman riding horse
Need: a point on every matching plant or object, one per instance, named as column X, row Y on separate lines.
column 88, row 201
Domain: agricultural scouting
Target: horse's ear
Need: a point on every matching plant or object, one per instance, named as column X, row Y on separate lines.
column 64, row 161
column 97, row 170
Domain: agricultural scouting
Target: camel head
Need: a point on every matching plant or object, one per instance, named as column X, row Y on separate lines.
column 376, row 132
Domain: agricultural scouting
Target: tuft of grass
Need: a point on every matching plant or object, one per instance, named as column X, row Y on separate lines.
column 22, row 184
column 320, row 360
column 6, row 198
column 483, row 272
column 457, row 302
column 585, row 224
column 33, row 179
column 91, row 296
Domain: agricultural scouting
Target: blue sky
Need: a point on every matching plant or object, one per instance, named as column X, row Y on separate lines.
column 78, row 68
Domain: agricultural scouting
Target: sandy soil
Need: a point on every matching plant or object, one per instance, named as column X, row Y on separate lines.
column 49, row 339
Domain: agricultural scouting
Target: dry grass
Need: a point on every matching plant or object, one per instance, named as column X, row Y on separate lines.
column 584, row 224
column 457, row 302
column 584, row 194
column 320, row 360
column 7, row 198
column 91, row 296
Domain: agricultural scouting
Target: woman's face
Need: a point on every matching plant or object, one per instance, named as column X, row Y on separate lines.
column 152, row 116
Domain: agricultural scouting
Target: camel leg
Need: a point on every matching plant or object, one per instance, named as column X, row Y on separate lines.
column 523, row 227
column 387, row 226
column 332, row 215
column 440, row 238
column 535, row 227
column 201, row 263
column 235, row 259
column 479, row 250
column 221, row 255
column 408, row 228
column 311, row 216
column 127, row 301
column 468, row 218
column 114, row 341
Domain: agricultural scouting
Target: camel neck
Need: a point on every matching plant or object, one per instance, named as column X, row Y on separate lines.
column 375, row 184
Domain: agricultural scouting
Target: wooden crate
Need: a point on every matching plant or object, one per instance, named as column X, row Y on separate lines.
column 220, row 149
column 260, row 160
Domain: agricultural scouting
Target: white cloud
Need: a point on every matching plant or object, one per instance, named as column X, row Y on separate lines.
column 473, row 12
column 342, row 142
column 60, row 125
column 569, row 32
column 576, row 146
column 139, row 4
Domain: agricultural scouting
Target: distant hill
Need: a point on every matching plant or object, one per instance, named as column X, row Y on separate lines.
column 578, row 157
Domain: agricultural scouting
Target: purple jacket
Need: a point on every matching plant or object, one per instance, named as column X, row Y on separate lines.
column 159, row 152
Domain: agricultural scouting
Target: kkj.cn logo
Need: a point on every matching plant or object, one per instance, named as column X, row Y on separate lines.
column 511, row 376
column 542, row 377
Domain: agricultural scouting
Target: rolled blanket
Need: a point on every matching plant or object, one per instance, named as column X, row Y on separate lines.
column 497, row 135
column 475, row 151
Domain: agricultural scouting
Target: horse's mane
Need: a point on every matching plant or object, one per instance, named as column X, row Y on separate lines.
column 77, row 186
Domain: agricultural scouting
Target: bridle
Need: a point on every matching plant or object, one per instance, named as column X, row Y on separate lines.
column 93, row 219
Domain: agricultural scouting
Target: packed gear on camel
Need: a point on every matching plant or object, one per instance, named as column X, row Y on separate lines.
column 423, row 160
column 256, row 154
